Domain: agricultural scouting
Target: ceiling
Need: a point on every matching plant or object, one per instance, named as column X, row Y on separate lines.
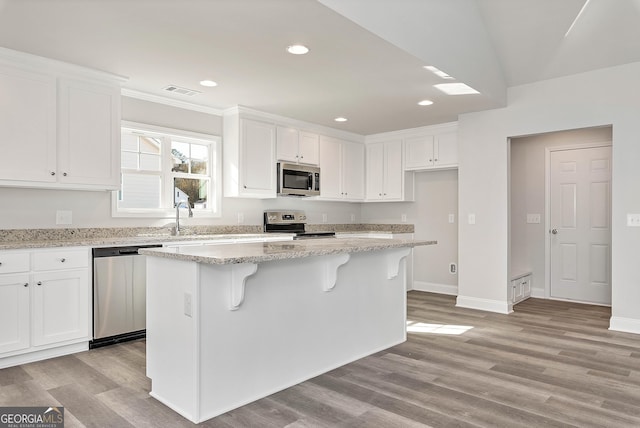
column 366, row 59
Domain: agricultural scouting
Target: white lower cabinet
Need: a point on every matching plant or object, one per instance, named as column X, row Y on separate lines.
column 44, row 304
column 60, row 302
column 14, row 312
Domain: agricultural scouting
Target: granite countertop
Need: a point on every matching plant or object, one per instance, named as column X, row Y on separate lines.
column 268, row 251
column 12, row 239
column 134, row 240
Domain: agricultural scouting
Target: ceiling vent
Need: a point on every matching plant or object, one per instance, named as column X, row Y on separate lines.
column 182, row 91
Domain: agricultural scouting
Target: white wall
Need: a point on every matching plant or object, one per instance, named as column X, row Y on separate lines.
column 603, row 97
column 436, row 196
column 528, row 251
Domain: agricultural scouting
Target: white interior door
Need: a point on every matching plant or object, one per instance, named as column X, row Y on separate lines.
column 580, row 223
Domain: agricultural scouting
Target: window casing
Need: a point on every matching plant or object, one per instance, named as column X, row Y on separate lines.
column 162, row 167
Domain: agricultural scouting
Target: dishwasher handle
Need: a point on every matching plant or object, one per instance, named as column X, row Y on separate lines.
column 120, row 251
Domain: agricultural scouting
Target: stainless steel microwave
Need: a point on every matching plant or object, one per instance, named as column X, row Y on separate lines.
column 298, row 180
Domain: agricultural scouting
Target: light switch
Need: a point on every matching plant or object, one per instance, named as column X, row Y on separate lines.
column 472, row 219
column 533, row 218
column 452, row 218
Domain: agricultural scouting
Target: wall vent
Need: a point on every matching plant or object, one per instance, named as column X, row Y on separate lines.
column 182, row 91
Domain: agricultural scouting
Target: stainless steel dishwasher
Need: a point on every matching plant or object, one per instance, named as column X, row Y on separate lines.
column 119, row 294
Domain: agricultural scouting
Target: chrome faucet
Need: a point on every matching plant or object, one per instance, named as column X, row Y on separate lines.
column 178, row 214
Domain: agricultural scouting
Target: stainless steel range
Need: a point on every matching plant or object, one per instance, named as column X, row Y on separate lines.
column 291, row 222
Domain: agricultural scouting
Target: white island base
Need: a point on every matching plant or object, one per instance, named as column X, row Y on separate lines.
column 223, row 335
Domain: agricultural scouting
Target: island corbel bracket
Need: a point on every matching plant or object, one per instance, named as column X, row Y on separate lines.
column 239, row 274
column 394, row 257
column 331, row 266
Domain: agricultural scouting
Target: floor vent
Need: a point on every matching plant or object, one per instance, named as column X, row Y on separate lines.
column 183, row 91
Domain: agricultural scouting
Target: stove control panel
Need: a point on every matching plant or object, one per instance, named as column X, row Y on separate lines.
column 285, row 217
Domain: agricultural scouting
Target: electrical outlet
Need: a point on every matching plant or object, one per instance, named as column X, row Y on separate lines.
column 324, row 217
column 472, row 219
column 63, row 217
column 633, row 220
column 452, row 218
column 403, row 218
column 187, row 304
column 240, row 218
column 453, row 269
column 353, row 218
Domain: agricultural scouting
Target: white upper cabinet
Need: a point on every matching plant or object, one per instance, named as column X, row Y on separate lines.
column 27, row 125
column 249, row 152
column 435, row 148
column 341, row 169
column 385, row 177
column 297, row 146
column 59, row 127
column 353, row 170
column 89, row 134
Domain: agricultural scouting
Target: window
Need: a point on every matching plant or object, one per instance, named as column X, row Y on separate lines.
column 162, row 168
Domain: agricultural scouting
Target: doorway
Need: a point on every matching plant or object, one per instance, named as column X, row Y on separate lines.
column 529, row 207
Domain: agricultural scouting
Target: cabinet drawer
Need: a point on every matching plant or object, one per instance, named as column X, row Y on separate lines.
column 14, row 262
column 61, row 259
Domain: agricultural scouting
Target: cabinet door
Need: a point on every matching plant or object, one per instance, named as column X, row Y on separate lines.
column 418, row 152
column 14, row 312
column 375, row 171
column 393, row 172
column 89, row 127
column 353, row 170
column 309, row 148
column 330, row 168
column 27, row 126
column 257, row 159
column 446, row 150
column 60, row 306
column 287, row 144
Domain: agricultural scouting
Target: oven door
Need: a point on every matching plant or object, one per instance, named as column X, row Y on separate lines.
column 297, row 180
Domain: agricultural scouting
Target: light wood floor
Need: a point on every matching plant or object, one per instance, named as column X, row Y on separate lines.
column 548, row 364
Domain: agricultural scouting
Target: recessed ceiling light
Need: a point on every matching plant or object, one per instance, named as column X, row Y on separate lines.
column 208, row 83
column 425, row 103
column 340, row 119
column 438, row 72
column 455, row 88
column 297, row 49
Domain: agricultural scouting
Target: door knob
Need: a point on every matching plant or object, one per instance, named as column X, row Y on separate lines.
column 554, row 231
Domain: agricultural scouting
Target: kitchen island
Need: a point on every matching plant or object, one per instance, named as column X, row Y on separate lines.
column 229, row 324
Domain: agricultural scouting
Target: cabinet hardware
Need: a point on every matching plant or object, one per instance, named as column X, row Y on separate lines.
column 39, row 282
column 435, row 160
column 26, row 284
column 64, row 173
column 53, row 173
column 554, row 231
column 0, row 263
column 244, row 186
column 62, row 260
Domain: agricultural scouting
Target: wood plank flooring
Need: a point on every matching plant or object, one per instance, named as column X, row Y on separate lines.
column 548, row 364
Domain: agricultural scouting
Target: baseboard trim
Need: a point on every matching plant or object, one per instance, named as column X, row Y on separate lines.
column 432, row 287
column 487, row 305
column 538, row 293
column 626, row 325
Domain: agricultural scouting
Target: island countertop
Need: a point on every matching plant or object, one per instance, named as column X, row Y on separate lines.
column 268, row 251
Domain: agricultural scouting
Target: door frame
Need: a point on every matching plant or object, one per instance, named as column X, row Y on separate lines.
column 547, row 207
